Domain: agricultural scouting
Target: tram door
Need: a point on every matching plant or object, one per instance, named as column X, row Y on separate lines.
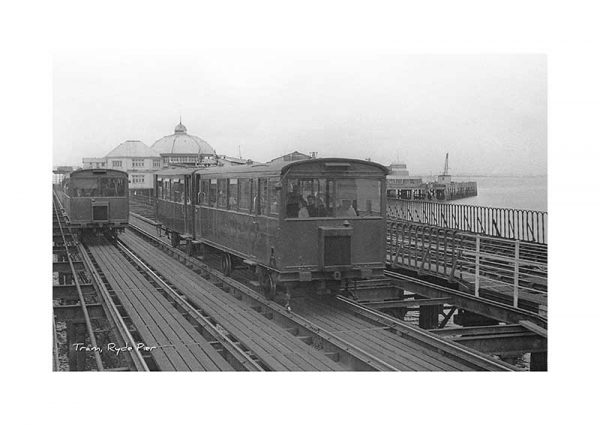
column 259, row 209
column 188, row 207
column 201, row 199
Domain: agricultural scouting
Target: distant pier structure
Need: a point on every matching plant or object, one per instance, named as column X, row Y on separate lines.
column 401, row 186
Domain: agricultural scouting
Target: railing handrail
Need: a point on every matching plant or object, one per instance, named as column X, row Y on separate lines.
column 518, row 224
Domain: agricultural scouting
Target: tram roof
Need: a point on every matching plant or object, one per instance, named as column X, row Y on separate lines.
column 96, row 171
column 269, row 169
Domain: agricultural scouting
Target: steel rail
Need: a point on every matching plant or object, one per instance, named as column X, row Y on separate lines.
column 424, row 337
column 142, row 218
column 367, row 359
column 243, row 358
column 56, row 363
column 86, row 315
column 136, row 357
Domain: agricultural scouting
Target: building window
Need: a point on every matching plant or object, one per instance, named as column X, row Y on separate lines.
column 137, row 163
column 117, row 163
column 137, row 178
column 156, row 163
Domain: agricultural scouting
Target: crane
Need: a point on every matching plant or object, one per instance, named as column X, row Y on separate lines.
column 446, row 166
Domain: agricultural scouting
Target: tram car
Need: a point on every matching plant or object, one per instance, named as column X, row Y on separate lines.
column 96, row 200
column 317, row 222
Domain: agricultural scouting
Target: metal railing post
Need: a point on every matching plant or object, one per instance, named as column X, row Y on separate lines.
column 477, row 242
column 516, row 282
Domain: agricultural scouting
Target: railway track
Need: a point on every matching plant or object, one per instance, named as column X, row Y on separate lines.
column 69, row 244
column 106, row 324
column 355, row 336
column 235, row 353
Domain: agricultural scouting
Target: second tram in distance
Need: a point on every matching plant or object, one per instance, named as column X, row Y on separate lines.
column 312, row 222
column 96, row 201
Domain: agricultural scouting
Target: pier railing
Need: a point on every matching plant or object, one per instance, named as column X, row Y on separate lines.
column 510, row 271
column 523, row 225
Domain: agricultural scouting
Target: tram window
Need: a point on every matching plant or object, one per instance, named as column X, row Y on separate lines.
column 245, row 200
column 159, row 188
column 111, row 187
column 333, row 198
column 233, row 194
column 222, row 193
column 166, row 189
column 203, row 195
column 177, row 191
column 357, row 197
column 262, row 206
column 188, row 191
column 274, row 195
column 212, row 193
column 309, row 198
column 84, row 188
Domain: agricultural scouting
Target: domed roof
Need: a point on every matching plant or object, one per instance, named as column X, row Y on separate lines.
column 182, row 143
column 180, row 128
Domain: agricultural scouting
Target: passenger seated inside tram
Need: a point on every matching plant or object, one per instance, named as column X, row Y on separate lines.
column 232, row 202
column 322, row 210
column 303, row 210
column 312, row 206
column 345, row 210
column 315, row 207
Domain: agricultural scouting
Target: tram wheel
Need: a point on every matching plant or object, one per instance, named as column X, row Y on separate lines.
column 175, row 239
column 268, row 283
column 270, row 286
column 226, row 264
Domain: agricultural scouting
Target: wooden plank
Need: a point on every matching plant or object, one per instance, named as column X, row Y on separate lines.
column 224, row 314
column 172, row 322
column 195, row 350
column 250, row 327
column 397, row 350
column 166, row 359
column 161, row 318
column 233, row 320
column 441, row 361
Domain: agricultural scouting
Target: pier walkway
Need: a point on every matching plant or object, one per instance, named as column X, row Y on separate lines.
column 497, row 254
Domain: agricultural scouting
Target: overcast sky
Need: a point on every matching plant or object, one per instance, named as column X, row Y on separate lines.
column 488, row 112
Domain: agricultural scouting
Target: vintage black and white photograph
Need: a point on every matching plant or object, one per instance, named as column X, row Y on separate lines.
column 277, row 212
column 273, row 210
